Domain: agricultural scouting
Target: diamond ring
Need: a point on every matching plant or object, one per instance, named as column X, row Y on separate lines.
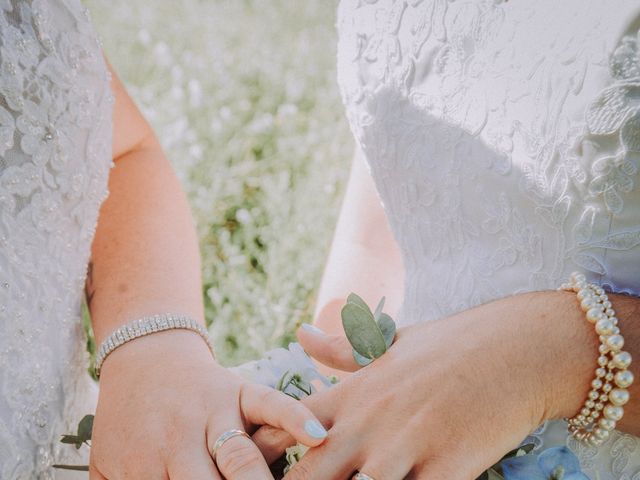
column 229, row 434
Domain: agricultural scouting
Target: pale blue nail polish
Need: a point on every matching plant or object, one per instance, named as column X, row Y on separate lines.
column 315, row 429
column 311, row 328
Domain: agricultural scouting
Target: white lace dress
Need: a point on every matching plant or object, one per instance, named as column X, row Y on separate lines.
column 504, row 139
column 55, row 155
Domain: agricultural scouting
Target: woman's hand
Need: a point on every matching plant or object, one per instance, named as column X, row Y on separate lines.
column 451, row 397
column 163, row 404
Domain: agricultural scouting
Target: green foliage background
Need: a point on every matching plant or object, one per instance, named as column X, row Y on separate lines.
column 243, row 97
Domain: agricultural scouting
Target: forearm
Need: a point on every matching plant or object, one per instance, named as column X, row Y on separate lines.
column 364, row 256
column 145, row 255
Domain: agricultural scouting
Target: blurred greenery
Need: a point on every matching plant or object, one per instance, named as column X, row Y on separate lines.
column 243, row 96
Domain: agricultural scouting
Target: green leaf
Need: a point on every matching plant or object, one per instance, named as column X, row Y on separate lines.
column 379, row 308
column 388, row 328
column 357, row 300
column 72, row 440
column 360, row 360
column 85, row 427
column 362, row 331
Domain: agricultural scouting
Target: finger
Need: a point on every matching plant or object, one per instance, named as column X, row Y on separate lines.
column 194, row 464
column 334, row 351
column 262, row 405
column 94, row 474
column 379, row 467
column 335, row 459
column 239, row 459
column 272, row 442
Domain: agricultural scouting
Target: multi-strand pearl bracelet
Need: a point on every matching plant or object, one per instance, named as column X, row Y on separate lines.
column 146, row 326
column 608, row 395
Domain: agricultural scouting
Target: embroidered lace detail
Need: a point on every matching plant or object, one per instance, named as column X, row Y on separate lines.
column 504, row 140
column 55, row 154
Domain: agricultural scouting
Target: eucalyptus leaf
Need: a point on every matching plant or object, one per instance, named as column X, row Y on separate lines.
column 387, row 327
column 357, row 300
column 379, row 308
column 360, row 360
column 362, row 331
column 85, row 427
column 72, row 440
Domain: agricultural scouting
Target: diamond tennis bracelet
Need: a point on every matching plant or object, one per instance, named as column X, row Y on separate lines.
column 146, row 326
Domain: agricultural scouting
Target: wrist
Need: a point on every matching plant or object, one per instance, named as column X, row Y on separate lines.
column 572, row 349
column 177, row 347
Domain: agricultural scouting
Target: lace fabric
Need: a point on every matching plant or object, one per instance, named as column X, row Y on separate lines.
column 504, row 140
column 55, row 155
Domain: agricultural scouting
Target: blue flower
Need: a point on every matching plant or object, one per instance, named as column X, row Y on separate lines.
column 557, row 463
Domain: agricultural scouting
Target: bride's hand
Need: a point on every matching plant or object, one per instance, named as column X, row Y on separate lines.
column 164, row 402
column 451, row 397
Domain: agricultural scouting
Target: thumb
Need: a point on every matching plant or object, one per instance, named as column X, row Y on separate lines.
column 334, row 351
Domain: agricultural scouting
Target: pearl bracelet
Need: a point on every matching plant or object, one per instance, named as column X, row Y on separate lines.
column 604, row 405
column 146, row 326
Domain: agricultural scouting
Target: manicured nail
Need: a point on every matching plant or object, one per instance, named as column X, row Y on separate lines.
column 311, row 328
column 315, row 429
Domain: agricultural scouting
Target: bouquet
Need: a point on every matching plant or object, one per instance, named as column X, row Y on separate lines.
column 370, row 333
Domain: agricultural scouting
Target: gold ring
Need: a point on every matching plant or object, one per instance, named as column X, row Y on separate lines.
column 229, row 434
column 362, row 476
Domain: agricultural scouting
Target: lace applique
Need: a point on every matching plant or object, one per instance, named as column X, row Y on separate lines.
column 55, row 155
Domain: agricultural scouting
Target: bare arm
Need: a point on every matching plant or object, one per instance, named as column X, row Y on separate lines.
column 145, row 256
column 364, row 256
column 163, row 400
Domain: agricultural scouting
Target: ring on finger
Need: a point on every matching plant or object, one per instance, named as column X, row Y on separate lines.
column 362, row 476
column 228, row 435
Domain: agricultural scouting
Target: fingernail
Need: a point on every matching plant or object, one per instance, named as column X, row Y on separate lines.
column 311, row 328
column 315, row 429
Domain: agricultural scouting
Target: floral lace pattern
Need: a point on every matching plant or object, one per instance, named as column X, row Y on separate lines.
column 55, row 155
column 504, row 140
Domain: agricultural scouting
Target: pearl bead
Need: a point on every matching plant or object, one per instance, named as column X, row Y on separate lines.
column 603, row 360
column 624, row 379
column 585, row 411
column 596, row 384
column 599, row 406
column 604, row 326
column 600, row 372
column 619, row 396
column 593, row 395
column 609, row 376
column 601, row 433
column 613, row 412
column 595, row 314
column 622, row 359
column 588, row 303
column 580, row 418
column 589, row 404
column 583, row 293
column 606, row 304
column 578, row 277
column 595, row 414
column 610, row 312
column 615, row 343
column 607, row 387
column 603, row 349
column 615, row 330
column 607, row 423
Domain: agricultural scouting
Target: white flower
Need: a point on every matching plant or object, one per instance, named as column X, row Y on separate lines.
column 293, row 363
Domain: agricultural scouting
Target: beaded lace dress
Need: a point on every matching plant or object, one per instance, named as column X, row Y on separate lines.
column 55, row 155
column 504, row 140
